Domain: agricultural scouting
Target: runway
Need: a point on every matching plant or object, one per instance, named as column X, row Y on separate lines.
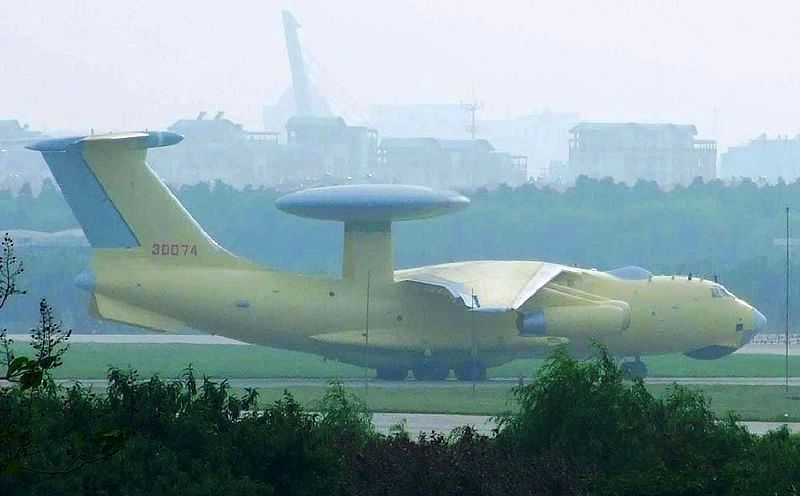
column 757, row 348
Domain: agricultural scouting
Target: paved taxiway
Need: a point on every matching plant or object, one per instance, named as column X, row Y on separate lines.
column 750, row 349
column 416, row 423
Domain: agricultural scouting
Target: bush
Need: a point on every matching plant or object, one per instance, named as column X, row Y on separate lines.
column 622, row 440
column 579, row 428
column 463, row 463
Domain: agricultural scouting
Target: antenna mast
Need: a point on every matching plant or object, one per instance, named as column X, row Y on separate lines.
column 472, row 107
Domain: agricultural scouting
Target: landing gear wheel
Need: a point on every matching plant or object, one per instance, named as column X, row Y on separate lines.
column 391, row 373
column 637, row 368
column 473, row 370
column 430, row 370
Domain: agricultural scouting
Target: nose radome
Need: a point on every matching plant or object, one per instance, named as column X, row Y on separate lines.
column 760, row 321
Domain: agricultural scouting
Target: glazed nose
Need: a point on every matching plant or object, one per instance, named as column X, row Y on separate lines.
column 760, row 322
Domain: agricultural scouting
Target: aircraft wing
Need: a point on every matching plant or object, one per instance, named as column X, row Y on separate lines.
column 486, row 286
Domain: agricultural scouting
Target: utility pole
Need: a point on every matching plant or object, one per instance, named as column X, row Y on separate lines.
column 786, row 329
column 473, row 352
column 473, row 108
column 366, row 340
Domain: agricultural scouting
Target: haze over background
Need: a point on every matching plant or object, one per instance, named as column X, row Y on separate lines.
column 72, row 65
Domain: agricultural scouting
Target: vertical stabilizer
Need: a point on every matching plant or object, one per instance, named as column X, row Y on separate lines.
column 120, row 202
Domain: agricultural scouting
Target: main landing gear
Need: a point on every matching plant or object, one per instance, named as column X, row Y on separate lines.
column 636, row 368
column 434, row 370
column 430, row 370
column 472, row 370
column 391, row 373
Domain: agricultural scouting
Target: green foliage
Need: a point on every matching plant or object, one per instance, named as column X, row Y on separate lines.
column 773, row 466
column 49, row 343
column 580, row 428
column 459, row 464
column 10, row 270
column 345, row 417
column 165, row 437
column 625, row 441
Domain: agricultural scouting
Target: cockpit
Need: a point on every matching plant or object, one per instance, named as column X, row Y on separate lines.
column 720, row 292
column 631, row 273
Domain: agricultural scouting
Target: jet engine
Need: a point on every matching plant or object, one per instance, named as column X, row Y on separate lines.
column 608, row 318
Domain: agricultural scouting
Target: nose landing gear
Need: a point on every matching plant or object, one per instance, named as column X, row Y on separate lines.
column 430, row 370
column 636, row 368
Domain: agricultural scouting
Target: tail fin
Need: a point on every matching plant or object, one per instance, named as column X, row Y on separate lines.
column 119, row 201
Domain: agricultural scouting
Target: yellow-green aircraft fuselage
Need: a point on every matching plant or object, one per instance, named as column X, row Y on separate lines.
column 154, row 267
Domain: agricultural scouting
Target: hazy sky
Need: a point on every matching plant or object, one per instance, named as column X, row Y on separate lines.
column 112, row 65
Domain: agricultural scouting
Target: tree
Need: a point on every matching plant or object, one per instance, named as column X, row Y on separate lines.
column 49, row 342
column 10, row 270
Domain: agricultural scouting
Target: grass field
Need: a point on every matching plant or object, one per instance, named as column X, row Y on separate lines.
column 767, row 403
column 92, row 360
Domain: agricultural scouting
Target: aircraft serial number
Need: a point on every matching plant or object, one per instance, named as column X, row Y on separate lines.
column 174, row 250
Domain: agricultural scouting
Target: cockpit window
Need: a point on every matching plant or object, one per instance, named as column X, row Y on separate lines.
column 720, row 292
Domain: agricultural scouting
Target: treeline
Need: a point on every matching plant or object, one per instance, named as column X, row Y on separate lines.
column 580, row 428
column 707, row 229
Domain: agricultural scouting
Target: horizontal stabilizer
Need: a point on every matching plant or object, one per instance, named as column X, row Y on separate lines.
column 134, row 141
column 117, row 311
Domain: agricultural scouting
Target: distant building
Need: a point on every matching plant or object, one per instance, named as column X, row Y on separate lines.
column 326, row 150
column 445, row 121
column 19, row 166
column 326, row 147
column 460, row 164
column 557, row 172
column 219, row 149
column 319, row 150
column 542, row 137
column 668, row 154
column 12, row 130
column 763, row 158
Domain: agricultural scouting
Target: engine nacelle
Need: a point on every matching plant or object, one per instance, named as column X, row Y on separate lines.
column 610, row 318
